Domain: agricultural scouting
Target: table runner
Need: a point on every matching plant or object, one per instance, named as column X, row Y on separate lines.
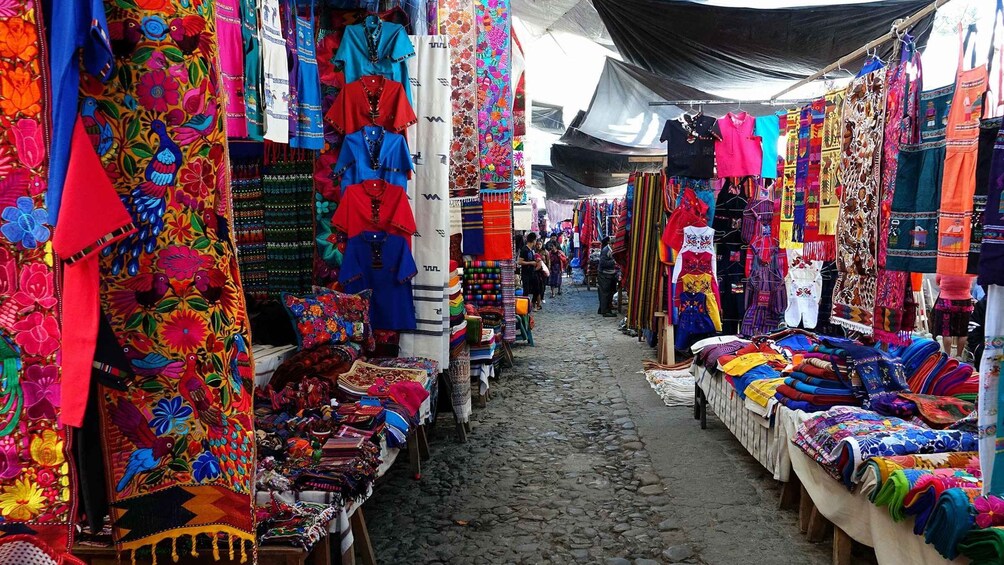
column 37, row 490
column 857, row 229
column 457, row 17
column 429, row 190
column 179, row 443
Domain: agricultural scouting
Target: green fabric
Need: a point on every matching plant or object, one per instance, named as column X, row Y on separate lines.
column 984, row 547
column 893, row 493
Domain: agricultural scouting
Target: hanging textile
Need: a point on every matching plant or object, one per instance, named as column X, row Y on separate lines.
column 991, row 268
column 35, row 447
column 959, row 181
column 830, row 182
column 509, row 299
column 984, row 162
column 472, row 216
column 497, row 210
column 644, row 274
column 249, row 226
column 789, row 187
column 288, row 189
column 195, row 454
column 857, row 229
column 458, row 24
column 815, row 244
column 429, row 190
column 494, row 76
column 991, row 418
column 892, row 286
column 731, row 253
column 520, row 166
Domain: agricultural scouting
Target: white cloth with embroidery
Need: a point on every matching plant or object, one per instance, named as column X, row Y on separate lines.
column 429, row 191
column 804, row 284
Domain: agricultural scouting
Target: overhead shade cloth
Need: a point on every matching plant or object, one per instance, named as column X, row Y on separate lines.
column 721, row 49
column 558, row 186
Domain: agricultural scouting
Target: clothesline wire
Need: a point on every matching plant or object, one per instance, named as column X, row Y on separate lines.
column 720, row 102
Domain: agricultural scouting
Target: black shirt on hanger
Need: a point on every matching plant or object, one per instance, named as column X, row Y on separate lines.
column 690, row 142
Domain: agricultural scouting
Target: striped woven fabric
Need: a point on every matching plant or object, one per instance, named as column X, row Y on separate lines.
column 644, row 277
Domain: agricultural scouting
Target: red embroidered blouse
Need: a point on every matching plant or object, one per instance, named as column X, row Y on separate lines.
column 371, row 100
column 375, row 205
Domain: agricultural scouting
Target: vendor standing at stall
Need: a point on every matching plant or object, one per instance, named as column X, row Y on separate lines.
column 607, row 279
column 527, row 269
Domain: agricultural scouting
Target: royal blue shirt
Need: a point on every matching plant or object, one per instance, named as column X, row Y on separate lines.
column 381, row 262
column 75, row 25
column 371, row 146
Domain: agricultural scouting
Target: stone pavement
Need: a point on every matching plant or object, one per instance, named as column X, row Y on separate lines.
column 575, row 460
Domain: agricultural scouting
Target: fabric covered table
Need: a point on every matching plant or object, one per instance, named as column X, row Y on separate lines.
column 756, row 433
column 894, row 542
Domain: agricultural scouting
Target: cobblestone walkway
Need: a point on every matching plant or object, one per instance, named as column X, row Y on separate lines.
column 555, row 470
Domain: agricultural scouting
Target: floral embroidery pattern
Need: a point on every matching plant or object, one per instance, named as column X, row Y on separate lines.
column 34, row 472
column 181, row 435
column 494, row 91
column 458, row 23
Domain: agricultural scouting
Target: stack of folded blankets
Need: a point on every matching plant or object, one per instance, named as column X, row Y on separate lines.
column 814, row 386
column 458, row 321
column 931, row 371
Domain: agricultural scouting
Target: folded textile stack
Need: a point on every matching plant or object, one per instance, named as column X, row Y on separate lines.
column 458, row 322
column 928, row 370
column 431, row 368
column 326, row 361
column 814, row 386
column 844, row 437
column 866, row 370
column 760, row 395
column 984, row 546
column 301, row 524
column 954, row 516
column 871, row 476
column 759, row 359
column 483, row 283
column 363, row 378
column 914, row 492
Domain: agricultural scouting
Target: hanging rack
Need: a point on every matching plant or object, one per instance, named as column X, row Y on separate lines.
column 894, row 33
column 728, row 102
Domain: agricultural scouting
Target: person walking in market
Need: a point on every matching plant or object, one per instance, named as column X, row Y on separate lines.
column 528, row 269
column 607, row 279
column 557, row 261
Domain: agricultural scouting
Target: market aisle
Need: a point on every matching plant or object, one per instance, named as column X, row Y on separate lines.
column 570, row 464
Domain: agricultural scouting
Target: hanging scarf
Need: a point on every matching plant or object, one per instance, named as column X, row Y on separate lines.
column 892, row 286
column 815, row 245
column 472, row 216
column 497, row 210
column 789, row 186
column 801, row 177
column 829, row 176
column 494, row 68
column 857, row 230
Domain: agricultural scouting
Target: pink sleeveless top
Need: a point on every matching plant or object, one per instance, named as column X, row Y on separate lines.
column 739, row 153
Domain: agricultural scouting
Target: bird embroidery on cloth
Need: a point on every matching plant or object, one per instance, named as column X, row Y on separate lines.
column 150, row 449
column 203, row 120
column 148, row 203
column 153, row 364
column 97, row 127
column 125, row 35
column 189, row 33
column 228, row 439
column 144, row 291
